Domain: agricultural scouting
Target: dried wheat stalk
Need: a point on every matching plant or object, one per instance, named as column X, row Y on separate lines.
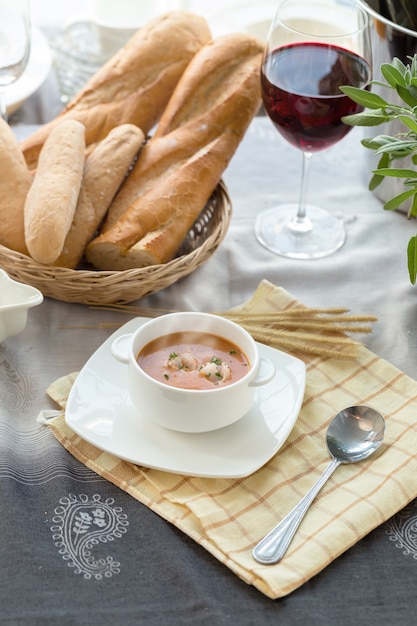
column 319, row 332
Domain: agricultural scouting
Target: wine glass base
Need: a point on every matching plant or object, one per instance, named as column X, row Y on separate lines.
column 317, row 235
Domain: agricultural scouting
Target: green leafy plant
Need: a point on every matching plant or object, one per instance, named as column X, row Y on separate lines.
column 402, row 79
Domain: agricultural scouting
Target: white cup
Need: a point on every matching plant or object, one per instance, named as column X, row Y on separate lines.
column 191, row 410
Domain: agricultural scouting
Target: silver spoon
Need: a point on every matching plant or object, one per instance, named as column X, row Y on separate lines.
column 353, row 435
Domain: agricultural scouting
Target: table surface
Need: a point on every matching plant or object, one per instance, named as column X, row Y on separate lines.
column 163, row 576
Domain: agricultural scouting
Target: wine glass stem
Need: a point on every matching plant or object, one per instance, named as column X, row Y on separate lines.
column 3, row 105
column 301, row 222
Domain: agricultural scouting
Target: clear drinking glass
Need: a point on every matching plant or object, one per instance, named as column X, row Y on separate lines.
column 313, row 48
column 14, row 45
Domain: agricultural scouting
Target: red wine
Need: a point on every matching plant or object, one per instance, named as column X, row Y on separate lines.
column 300, row 89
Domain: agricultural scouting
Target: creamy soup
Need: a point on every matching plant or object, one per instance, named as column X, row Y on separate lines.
column 193, row 360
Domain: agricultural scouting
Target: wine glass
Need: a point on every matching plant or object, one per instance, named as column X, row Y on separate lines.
column 313, row 48
column 14, row 45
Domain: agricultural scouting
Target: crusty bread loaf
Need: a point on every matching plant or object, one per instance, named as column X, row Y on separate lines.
column 180, row 166
column 152, row 229
column 52, row 198
column 135, row 85
column 15, row 181
column 104, row 171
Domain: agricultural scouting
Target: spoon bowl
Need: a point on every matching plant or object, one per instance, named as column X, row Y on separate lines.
column 353, row 435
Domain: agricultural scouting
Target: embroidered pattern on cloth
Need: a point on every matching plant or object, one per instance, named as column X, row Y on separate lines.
column 17, row 386
column 402, row 531
column 81, row 525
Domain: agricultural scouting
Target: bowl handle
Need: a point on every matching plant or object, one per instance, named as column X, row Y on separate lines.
column 265, row 373
column 120, row 348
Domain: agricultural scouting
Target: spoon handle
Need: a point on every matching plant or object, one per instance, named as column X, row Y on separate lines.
column 274, row 545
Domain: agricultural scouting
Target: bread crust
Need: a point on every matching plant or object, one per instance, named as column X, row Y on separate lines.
column 52, row 198
column 15, row 182
column 181, row 165
column 135, row 85
column 104, row 171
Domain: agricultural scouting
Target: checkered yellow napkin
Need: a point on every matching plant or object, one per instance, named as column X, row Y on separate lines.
column 229, row 516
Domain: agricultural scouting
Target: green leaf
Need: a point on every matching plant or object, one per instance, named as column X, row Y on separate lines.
column 380, row 83
column 406, row 96
column 394, row 203
column 370, row 144
column 409, row 122
column 392, row 75
column 399, row 65
column 376, row 142
column 413, row 89
column 363, row 97
column 376, row 178
column 366, row 118
column 385, row 140
column 383, row 161
column 397, row 172
column 375, row 182
column 413, row 210
column 399, row 147
column 412, row 259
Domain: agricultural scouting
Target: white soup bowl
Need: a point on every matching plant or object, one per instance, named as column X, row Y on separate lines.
column 191, row 410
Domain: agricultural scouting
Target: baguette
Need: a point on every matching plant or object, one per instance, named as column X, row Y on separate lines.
column 151, row 231
column 15, row 182
column 135, row 85
column 104, row 172
column 180, row 166
column 51, row 200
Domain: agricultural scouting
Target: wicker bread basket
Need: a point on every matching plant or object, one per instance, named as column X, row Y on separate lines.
column 89, row 286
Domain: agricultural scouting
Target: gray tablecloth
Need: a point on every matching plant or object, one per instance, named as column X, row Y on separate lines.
column 158, row 575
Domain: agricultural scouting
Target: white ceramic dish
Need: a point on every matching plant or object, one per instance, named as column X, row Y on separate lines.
column 36, row 71
column 15, row 301
column 100, row 411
